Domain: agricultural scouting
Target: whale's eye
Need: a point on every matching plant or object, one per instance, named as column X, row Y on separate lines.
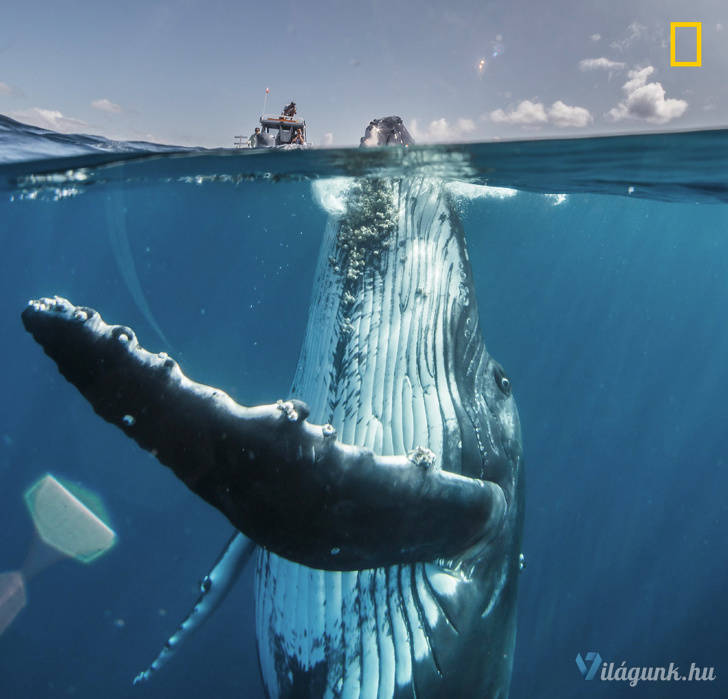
column 504, row 383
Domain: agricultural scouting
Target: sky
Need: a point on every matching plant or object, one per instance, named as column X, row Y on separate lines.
column 194, row 72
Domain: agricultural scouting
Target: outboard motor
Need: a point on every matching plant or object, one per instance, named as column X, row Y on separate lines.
column 387, row 131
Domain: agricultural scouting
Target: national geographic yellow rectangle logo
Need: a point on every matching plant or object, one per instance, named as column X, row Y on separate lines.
column 698, row 26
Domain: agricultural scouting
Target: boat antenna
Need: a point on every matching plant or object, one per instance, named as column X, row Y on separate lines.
column 265, row 101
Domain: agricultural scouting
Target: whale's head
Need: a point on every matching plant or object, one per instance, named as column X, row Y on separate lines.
column 387, row 131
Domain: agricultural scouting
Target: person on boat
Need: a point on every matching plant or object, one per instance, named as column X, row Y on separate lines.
column 298, row 137
column 253, row 140
column 290, row 110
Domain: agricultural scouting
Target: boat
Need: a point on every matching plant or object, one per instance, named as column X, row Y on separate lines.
column 280, row 130
column 277, row 130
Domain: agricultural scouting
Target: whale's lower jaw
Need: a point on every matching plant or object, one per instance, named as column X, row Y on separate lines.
column 408, row 369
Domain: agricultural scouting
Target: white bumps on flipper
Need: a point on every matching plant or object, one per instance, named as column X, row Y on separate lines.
column 329, row 431
column 288, row 408
column 125, row 335
column 422, row 457
column 39, row 305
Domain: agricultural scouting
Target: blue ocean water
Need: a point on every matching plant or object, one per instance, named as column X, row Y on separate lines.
column 601, row 277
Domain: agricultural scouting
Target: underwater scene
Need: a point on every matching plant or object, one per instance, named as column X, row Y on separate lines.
column 489, row 459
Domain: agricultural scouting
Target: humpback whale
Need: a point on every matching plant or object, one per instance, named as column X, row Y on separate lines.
column 385, row 497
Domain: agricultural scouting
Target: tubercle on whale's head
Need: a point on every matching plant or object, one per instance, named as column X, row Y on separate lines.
column 386, row 131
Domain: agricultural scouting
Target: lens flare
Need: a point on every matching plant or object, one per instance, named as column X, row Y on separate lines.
column 12, row 597
column 497, row 47
column 65, row 523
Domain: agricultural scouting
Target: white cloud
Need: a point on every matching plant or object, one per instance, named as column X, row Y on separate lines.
column 49, row 119
column 10, row 90
column 441, row 130
column 595, row 37
column 646, row 100
column 562, row 115
column 465, row 126
column 634, row 31
column 529, row 113
column 719, row 27
column 637, row 78
column 328, row 139
column 600, row 64
column 106, row 105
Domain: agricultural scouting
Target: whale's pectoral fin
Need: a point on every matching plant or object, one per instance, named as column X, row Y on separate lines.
column 213, row 590
column 286, row 483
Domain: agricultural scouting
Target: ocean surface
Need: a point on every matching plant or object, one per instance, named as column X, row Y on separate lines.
column 601, row 267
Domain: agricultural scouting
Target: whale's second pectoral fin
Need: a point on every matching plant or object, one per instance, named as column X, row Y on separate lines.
column 286, row 483
column 213, row 590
